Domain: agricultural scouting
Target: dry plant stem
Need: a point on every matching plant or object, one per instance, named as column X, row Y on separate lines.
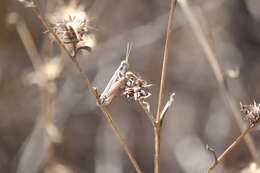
column 47, row 45
column 92, row 91
column 28, row 43
column 157, row 126
column 48, row 120
column 47, row 99
column 230, row 148
column 108, row 117
column 213, row 60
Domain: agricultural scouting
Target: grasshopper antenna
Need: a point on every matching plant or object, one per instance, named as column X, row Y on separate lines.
column 128, row 51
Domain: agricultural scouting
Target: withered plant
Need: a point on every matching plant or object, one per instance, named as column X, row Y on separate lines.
column 74, row 35
column 72, row 32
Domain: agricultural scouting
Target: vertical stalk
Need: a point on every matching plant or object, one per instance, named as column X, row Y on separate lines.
column 47, row 98
column 157, row 125
column 48, row 123
column 157, row 146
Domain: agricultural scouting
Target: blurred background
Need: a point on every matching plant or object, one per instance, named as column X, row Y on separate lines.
column 199, row 115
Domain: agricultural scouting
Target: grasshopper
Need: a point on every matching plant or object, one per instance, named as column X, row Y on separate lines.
column 115, row 83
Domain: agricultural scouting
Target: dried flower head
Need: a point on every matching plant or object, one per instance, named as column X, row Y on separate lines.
column 251, row 113
column 71, row 30
column 135, row 88
column 71, row 24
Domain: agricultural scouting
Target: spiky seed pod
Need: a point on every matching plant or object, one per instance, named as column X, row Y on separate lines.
column 135, row 88
column 72, row 30
column 71, row 24
column 75, row 33
column 251, row 113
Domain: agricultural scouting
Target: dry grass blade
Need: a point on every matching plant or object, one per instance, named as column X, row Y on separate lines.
column 28, row 43
column 165, row 61
column 213, row 60
column 157, row 127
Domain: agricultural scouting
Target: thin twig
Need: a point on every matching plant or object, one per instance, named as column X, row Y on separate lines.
column 91, row 89
column 213, row 60
column 157, row 127
column 230, row 148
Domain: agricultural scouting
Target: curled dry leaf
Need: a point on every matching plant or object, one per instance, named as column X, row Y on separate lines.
column 167, row 106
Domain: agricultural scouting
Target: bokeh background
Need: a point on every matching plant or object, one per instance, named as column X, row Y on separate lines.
column 199, row 115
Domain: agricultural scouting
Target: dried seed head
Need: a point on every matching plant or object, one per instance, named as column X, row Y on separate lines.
column 71, row 24
column 135, row 88
column 72, row 30
column 251, row 113
column 75, row 34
